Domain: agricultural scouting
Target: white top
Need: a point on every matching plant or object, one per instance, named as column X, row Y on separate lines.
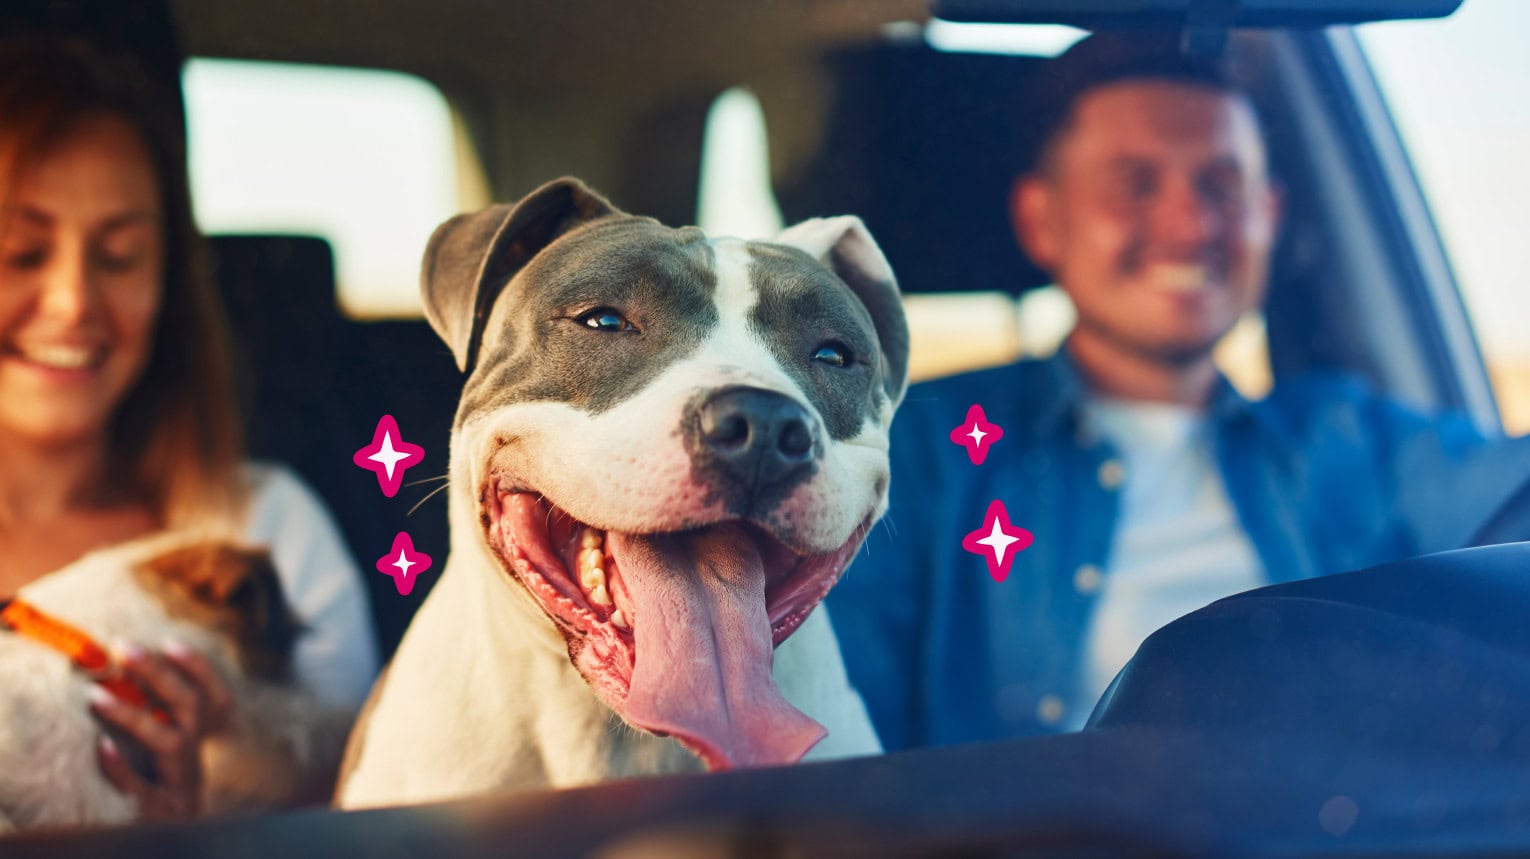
column 336, row 655
column 1178, row 544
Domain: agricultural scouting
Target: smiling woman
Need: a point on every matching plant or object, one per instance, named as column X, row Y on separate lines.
column 87, row 218
column 118, row 428
column 113, row 346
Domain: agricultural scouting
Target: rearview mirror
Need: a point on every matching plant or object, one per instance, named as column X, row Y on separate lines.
column 1145, row 14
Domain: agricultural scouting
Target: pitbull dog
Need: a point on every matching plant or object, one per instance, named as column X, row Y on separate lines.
column 666, row 450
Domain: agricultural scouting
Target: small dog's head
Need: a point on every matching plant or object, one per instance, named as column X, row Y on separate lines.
column 231, row 591
column 675, row 443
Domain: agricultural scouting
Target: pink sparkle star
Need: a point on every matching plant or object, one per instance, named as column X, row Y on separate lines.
column 388, row 455
column 997, row 541
column 976, row 434
column 403, row 563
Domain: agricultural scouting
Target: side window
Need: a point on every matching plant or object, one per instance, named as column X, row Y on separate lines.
column 1456, row 89
column 370, row 160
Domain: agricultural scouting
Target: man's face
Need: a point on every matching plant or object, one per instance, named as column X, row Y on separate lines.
column 1155, row 215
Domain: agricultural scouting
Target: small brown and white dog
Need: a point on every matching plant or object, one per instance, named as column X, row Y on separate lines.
column 218, row 599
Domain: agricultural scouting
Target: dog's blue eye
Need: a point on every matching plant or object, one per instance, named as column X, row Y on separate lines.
column 606, row 319
column 833, row 354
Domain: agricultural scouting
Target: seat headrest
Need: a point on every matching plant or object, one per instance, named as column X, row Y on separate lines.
column 288, row 276
column 924, row 145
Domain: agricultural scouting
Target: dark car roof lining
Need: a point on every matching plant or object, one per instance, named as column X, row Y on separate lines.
column 139, row 35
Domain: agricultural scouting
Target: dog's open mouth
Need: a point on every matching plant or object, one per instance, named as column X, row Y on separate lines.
column 674, row 631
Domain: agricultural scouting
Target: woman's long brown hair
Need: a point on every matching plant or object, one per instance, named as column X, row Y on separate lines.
column 175, row 441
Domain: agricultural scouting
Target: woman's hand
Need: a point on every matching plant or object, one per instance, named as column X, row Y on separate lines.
column 198, row 705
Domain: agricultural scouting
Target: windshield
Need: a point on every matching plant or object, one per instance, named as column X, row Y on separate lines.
column 1060, row 424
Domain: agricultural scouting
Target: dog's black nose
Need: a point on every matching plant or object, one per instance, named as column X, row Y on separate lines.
column 757, row 439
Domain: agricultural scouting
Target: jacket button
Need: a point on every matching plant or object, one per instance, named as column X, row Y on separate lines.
column 1086, row 580
column 1112, row 474
column 1050, row 709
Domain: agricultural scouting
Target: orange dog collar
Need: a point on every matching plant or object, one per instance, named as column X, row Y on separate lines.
column 30, row 622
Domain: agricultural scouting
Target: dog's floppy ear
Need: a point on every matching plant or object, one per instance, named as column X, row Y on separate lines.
column 846, row 247
column 233, row 589
column 470, row 258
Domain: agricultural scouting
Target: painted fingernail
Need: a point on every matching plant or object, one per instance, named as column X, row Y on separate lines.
column 175, row 647
column 127, row 650
column 101, row 697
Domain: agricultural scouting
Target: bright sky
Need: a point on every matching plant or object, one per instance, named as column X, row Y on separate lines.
column 1460, row 93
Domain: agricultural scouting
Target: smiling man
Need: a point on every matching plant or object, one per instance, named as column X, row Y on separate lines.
column 1150, row 486
column 1153, row 209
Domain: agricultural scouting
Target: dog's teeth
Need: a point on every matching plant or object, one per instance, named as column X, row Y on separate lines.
column 592, row 577
column 592, row 567
column 600, row 597
column 619, row 620
column 591, row 538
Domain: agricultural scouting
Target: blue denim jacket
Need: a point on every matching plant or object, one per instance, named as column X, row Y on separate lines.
column 1325, row 477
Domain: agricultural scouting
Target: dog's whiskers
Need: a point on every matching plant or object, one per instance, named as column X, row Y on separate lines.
column 427, row 497
column 556, row 515
column 427, row 480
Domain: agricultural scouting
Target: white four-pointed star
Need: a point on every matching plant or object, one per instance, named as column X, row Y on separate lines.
column 387, row 454
column 998, row 541
column 403, row 563
column 976, row 434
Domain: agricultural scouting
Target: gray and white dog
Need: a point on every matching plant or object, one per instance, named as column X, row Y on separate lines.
column 667, row 449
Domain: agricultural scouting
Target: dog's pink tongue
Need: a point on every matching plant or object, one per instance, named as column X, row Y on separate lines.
column 703, row 642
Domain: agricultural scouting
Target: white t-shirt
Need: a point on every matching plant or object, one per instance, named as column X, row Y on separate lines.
column 335, row 656
column 1178, row 544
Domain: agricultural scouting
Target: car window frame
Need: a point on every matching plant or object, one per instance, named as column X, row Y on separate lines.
column 1382, row 228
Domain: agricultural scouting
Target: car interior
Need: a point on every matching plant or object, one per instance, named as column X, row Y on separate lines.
column 864, row 115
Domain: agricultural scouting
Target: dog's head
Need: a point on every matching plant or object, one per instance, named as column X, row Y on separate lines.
column 675, row 443
column 230, row 590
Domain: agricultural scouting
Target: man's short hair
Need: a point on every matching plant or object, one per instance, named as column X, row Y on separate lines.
column 1112, row 57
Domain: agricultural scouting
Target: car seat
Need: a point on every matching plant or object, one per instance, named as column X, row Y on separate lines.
column 313, row 386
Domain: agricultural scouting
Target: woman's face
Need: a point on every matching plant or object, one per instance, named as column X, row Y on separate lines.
column 81, row 274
